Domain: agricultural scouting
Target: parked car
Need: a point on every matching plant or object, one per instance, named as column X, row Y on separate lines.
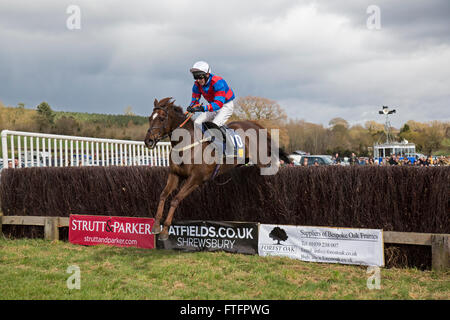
column 322, row 160
column 4, row 165
column 295, row 158
column 345, row 161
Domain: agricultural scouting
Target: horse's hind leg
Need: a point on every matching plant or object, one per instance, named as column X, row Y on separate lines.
column 185, row 190
column 172, row 184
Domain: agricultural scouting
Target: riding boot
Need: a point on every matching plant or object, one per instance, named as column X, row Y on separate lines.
column 227, row 143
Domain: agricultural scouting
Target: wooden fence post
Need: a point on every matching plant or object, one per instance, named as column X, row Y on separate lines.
column 51, row 230
column 440, row 251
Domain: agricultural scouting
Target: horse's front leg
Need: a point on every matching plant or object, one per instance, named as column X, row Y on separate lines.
column 172, row 184
column 185, row 190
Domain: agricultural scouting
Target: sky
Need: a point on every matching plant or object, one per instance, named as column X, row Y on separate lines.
column 317, row 59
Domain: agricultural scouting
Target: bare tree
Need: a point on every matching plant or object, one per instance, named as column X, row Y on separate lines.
column 266, row 112
column 259, row 108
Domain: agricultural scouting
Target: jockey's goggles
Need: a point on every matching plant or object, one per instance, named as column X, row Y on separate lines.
column 199, row 75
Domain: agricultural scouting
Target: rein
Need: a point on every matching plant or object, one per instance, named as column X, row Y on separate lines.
column 187, row 119
column 180, row 126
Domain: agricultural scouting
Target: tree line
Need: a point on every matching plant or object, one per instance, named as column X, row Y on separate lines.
column 44, row 119
column 431, row 137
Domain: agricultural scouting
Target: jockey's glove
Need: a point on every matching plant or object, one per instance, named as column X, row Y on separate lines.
column 196, row 108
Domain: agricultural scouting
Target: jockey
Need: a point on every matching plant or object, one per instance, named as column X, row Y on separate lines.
column 216, row 91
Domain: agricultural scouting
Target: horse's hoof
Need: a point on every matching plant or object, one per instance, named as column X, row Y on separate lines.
column 163, row 236
column 156, row 228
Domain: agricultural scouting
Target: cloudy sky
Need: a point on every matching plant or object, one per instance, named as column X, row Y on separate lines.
column 317, row 59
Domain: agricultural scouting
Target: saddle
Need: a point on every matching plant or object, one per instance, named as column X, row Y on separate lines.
column 231, row 143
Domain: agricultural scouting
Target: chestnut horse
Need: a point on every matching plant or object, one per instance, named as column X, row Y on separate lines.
column 165, row 118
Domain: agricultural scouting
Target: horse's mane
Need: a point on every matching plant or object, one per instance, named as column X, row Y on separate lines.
column 168, row 103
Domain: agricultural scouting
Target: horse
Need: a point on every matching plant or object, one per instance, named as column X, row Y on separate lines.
column 164, row 120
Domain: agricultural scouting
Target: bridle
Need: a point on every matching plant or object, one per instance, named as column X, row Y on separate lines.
column 163, row 127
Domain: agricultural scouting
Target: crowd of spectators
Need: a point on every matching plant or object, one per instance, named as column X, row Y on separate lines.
column 394, row 160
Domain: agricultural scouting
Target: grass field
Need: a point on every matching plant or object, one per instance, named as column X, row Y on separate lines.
column 37, row 269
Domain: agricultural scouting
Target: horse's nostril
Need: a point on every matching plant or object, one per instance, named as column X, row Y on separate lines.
column 150, row 143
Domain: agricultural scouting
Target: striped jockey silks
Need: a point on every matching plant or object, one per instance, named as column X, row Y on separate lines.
column 216, row 91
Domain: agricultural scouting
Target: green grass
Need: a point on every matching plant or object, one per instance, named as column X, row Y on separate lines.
column 36, row 269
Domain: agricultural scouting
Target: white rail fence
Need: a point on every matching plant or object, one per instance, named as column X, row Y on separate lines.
column 50, row 150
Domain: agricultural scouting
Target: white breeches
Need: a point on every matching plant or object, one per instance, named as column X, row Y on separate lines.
column 219, row 117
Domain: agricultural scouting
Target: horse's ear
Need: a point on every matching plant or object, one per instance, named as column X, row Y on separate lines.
column 155, row 103
column 165, row 102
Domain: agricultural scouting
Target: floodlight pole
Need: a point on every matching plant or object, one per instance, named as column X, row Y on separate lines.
column 387, row 129
column 387, row 123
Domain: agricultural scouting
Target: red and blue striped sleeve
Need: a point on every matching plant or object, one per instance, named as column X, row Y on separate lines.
column 196, row 95
column 220, row 88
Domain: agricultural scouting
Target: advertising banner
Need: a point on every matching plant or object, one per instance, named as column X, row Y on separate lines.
column 235, row 237
column 115, row 231
column 323, row 244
